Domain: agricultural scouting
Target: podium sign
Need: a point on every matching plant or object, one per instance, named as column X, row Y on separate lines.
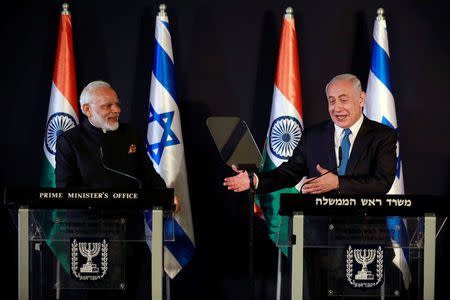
column 349, row 242
column 80, row 240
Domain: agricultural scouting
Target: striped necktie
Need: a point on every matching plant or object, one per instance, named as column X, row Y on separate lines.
column 345, row 147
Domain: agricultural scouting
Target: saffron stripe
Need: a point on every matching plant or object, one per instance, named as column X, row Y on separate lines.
column 64, row 71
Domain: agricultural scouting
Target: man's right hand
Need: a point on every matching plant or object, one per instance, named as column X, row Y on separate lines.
column 239, row 182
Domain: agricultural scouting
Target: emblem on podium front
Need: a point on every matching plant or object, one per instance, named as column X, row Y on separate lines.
column 364, row 266
column 89, row 258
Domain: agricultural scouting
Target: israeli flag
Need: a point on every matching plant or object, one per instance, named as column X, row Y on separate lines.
column 166, row 149
column 380, row 106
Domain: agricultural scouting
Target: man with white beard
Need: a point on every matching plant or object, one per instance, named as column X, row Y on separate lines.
column 90, row 154
column 102, row 153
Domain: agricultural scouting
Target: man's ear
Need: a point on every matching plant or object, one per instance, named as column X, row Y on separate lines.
column 87, row 110
column 362, row 98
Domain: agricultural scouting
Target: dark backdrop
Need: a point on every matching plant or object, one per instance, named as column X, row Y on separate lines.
column 225, row 57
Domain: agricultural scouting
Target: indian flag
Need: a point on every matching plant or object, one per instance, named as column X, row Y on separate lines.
column 285, row 127
column 62, row 115
column 63, row 108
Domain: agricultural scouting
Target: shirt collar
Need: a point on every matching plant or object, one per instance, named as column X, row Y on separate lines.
column 354, row 128
column 91, row 128
column 95, row 128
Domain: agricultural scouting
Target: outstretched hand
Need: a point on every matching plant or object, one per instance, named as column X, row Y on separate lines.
column 321, row 185
column 239, row 182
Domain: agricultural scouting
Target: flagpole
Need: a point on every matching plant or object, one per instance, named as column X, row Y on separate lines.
column 250, row 243
column 286, row 108
column 167, row 286
column 65, row 11
column 380, row 107
column 63, row 92
column 165, row 147
column 289, row 13
column 58, row 280
column 279, row 275
column 162, row 13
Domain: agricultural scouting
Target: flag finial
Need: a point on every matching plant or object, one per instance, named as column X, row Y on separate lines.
column 65, row 10
column 380, row 13
column 162, row 10
column 289, row 13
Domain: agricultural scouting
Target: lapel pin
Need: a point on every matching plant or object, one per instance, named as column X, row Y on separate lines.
column 132, row 149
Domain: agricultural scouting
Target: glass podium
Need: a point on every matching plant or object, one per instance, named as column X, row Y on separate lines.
column 76, row 242
column 358, row 247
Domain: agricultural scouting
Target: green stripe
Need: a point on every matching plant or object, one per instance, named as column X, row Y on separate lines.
column 47, row 174
column 270, row 204
column 49, row 220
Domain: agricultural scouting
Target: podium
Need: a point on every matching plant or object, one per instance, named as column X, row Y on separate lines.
column 362, row 247
column 79, row 240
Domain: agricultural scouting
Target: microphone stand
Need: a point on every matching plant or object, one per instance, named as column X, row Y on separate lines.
column 251, row 220
column 332, row 170
column 116, row 171
column 251, row 195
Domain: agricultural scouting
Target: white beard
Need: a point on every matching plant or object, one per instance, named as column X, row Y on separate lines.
column 101, row 123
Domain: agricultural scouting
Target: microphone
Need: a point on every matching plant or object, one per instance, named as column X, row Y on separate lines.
column 116, row 171
column 332, row 170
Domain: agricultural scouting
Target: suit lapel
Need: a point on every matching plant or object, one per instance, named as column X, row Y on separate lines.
column 362, row 141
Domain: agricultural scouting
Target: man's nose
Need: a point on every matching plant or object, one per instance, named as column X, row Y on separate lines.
column 338, row 105
column 115, row 108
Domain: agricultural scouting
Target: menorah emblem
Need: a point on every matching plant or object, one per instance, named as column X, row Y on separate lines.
column 365, row 257
column 89, row 250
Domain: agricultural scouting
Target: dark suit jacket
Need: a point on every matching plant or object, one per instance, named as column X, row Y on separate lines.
column 79, row 162
column 370, row 170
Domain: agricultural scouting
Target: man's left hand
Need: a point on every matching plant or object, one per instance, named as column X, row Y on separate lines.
column 323, row 184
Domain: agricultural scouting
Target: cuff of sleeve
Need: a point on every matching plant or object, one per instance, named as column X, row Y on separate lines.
column 250, row 179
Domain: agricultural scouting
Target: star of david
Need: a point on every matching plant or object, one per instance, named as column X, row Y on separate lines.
column 168, row 137
column 399, row 159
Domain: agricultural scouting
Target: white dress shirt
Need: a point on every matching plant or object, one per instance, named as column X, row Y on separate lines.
column 339, row 135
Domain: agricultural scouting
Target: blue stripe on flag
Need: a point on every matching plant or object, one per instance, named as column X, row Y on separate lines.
column 182, row 247
column 164, row 70
column 166, row 24
column 397, row 231
column 381, row 65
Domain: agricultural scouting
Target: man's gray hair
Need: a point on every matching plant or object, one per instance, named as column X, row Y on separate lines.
column 346, row 77
column 86, row 94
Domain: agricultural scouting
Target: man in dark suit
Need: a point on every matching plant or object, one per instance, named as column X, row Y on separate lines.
column 101, row 153
column 364, row 150
column 368, row 148
column 93, row 153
